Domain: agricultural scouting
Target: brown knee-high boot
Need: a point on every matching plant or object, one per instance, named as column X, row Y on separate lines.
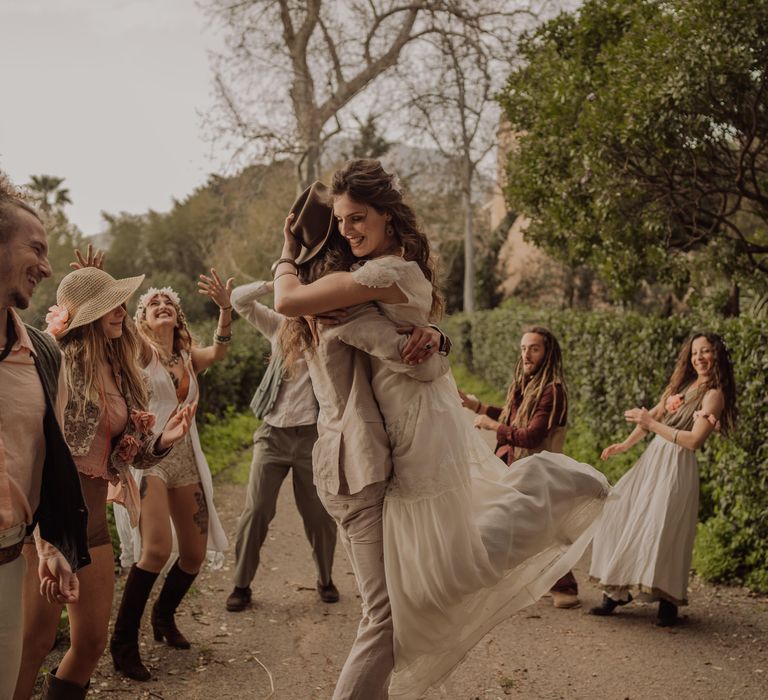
column 124, row 645
column 176, row 585
column 60, row 689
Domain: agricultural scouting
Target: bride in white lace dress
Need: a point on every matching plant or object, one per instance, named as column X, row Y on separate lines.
column 467, row 541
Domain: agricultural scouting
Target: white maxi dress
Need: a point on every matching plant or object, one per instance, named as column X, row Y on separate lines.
column 645, row 540
column 467, row 540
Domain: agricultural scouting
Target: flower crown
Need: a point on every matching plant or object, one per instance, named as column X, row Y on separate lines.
column 151, row 293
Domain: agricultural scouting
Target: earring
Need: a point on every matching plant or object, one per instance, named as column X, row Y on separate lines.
column 389, row 229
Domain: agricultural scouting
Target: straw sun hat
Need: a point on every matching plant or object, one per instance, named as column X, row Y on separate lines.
column 86, row 295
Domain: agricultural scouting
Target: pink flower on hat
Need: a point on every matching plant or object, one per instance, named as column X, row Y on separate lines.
column 673, row 402
column 143, row 421
column 128, row 448
column 57, row 319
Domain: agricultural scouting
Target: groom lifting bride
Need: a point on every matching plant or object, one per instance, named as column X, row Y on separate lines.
column 415, row 491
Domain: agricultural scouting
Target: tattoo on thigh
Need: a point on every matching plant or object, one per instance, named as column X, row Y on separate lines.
column 200, row 518
column 143, row 488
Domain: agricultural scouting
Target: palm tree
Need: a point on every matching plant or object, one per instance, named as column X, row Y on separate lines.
column 48, row 192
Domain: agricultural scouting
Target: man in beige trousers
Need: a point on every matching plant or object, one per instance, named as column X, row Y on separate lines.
column 352, row 464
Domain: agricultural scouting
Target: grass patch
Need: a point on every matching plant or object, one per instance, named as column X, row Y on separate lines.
column 227, row 443
column 507, row 684
column 473, row 384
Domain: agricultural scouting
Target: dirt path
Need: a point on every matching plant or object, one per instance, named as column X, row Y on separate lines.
column 721, row 650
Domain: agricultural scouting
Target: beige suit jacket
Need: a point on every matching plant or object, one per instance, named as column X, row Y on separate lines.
column 352, row 449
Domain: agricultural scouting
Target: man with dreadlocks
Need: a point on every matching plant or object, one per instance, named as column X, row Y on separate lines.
column 533, row 418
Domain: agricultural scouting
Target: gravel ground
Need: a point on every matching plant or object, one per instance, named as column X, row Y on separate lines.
column 290, row 645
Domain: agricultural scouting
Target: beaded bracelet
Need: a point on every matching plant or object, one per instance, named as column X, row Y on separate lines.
column 221, row 339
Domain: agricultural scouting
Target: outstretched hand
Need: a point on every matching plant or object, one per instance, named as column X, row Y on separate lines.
column 641, row 416
column 615, row 449
column 469, row 401
column 219, row 292
column 58, row 583
column 484, row 422
column 91, row 259
column 177, row 426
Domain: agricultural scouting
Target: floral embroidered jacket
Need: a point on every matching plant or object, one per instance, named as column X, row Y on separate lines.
column 136, row 446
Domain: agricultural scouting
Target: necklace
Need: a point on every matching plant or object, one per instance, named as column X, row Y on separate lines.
column 173, row 360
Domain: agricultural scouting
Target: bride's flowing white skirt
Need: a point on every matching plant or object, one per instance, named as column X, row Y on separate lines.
column 467, row 540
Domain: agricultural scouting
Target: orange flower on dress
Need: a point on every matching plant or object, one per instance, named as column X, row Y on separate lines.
column 673, row 402
column 143, row 421
column 57, row 319
column 128, row 448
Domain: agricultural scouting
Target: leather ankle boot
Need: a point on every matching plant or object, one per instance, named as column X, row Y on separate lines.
column 176, row 585
column 124, row 645
column 608, row 605
column 667, row 615
column 60, row 689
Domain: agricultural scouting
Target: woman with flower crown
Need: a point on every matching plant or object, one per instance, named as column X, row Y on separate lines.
column 645, row 541
column 108, row 430
column 177, row 493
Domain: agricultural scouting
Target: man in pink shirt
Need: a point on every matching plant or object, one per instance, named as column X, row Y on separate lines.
column 38, row 481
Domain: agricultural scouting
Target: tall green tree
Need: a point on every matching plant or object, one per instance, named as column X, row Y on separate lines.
column 51, row 200
column 643, row 137
column 48, row 193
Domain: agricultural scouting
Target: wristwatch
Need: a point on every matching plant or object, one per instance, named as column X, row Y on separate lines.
column 445, row 341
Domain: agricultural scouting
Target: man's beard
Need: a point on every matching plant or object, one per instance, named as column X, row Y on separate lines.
column 18, row 300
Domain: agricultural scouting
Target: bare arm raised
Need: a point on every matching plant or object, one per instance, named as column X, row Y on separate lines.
column 634, row 437
column 334, row 291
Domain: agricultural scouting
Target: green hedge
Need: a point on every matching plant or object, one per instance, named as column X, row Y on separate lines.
column 614, row 361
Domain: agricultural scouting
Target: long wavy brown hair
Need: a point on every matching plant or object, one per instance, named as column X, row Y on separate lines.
column 721, row 377
column 365, row 181
column 528, row 390
column 298, row 335
column 85, row 347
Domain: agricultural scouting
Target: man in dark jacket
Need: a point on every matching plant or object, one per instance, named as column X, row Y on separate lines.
column 38, row 479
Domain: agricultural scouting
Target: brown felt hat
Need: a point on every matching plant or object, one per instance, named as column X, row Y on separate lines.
column 313, row 220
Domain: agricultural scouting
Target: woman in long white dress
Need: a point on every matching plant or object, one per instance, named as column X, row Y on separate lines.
column 466, row 541
column 645, row 540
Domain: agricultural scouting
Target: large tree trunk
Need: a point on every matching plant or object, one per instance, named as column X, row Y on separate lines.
column 308, row 166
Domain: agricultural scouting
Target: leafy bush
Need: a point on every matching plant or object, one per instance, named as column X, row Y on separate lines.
column 226, row 443
column 614, row 361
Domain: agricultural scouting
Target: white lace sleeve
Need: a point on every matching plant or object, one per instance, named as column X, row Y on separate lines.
column 380, row 272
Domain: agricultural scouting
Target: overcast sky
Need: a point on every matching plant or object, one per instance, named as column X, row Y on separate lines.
column 107, row 94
